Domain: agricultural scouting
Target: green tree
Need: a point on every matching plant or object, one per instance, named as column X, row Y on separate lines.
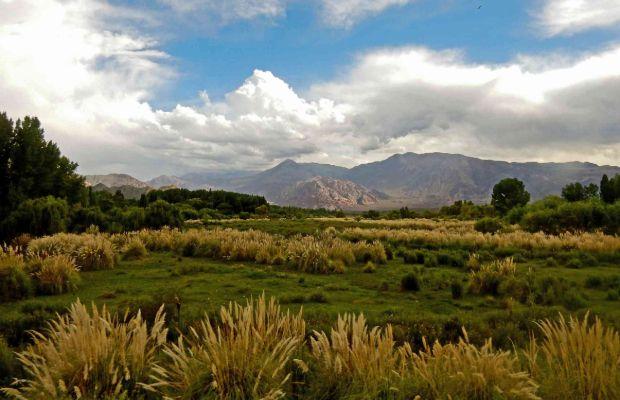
column 578, row 192
column 508, row 194
column 42, row 216
column 610, row 189
column 161, row 213
column 31, row 167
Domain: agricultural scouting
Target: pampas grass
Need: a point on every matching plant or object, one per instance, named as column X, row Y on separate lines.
column 245, row 356
column 15, row 282
column 90, row 251
column 464, row 371
column 353, row 361
column 55, row 274
column 90, row 355
column 576, row 359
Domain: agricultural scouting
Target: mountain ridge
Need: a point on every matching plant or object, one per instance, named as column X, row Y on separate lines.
column 403, row 179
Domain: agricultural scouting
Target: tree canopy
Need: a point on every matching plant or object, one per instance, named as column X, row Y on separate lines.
column 508, row 194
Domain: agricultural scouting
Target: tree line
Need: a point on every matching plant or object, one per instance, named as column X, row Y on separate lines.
column 41, row 193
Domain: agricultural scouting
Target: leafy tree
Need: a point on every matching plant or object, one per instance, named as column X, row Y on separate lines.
column 161, row 213
column 43, row 216
column 31, row 167
column 610, row 189
column 577, row 192
column 508, row 194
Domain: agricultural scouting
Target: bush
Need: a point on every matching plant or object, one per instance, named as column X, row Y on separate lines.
column 431, row 261
column 410, row 283
column 8, row 363
column 134, row 250
column 413, row 257
column 90, row 355
column 245, row 356
column 96, row 253
column 55, row 274
column 318, row 297
column 574, row 263
column 370, row 267
column 576, row 360
column 489, row 277
column 594, row 282
column 456, row 288
column 489, row 225
column 15, row 282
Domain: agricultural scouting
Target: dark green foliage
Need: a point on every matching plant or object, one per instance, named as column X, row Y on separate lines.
column 467, row 210
column 610, row 189
column 410, row 283
column 8, row 363
column 225, row 202
column 578, row 192
column 43, row 216
column 32, row 168
column 456, row 288
column 574, row 263
column 372, row 214
column 508, row 194
column 15, row 283
column 594, row 282
column 430, row 261
column 161, row 213
column 489, row 225
column 562, row 216
column 413, row 257
column 318, row 297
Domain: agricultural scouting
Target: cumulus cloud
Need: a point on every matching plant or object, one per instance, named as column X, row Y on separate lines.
column 565, row 17
column 346, row 13
column 92, row 84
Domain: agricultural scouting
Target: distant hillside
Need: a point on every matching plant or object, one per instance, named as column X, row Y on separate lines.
column 330, row 193
column 169, row 181
column 115, row 180
column 414, row 180
column 128, row 191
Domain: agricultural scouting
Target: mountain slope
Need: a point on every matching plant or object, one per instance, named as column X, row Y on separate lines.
column 169, row 181
column 330, row 193
column 115, row 180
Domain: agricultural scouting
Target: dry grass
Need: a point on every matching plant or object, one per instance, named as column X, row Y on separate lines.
column 354, row 361
column 134, row 249
column 592, row 242
column 487, row 278
column 576, row 359
column 89, row 355
column 15, row 282
column 54, row 274
column 90, row 251
column 244, row 356
column 464, row 371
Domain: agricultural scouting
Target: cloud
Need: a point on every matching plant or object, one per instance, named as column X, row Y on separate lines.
column 346, row 13
column 91, row 79
column 225, row 11
column 566, row 17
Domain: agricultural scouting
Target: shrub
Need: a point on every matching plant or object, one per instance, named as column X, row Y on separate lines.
column 464, row 371
column 370, row 267
column 15, row 282
column 431, row 261
column 574, row 263
column 245, row 356
column 413, row 257
column 55, row 274
column 410, row 283
column 456, row 288
column 352, row 361
column 576, row 360
column 489, row 225
column 89, row 355
column 374, row 252
column 134, row 250
column 318, row 297
column 594, row 282
column 96, row 253
column 489, row 277
column 8, row 363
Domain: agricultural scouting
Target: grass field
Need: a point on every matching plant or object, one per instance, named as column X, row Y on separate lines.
column 425, row 279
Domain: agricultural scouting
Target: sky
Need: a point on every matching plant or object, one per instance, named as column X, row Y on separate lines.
column 175, row 86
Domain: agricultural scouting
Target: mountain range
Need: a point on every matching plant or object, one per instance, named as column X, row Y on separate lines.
column 410, row 179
